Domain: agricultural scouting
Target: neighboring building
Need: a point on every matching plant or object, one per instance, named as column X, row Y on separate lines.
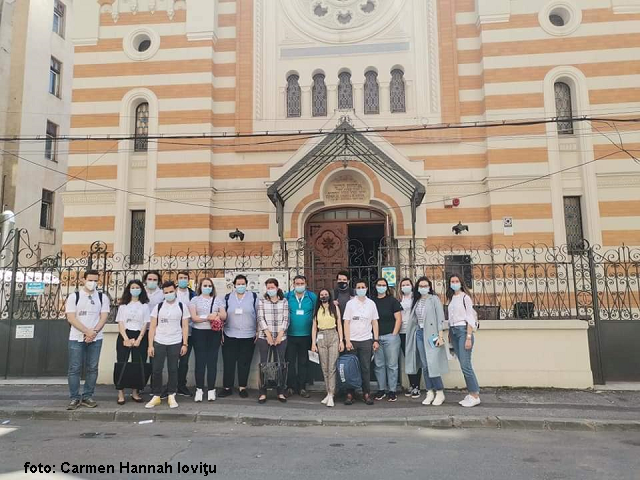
column 36, row 67
column 203, row 66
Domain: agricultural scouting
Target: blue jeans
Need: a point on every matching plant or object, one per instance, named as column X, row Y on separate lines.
column 88, row 354
column 386, row 362
column 432, row 383
column 458, row 337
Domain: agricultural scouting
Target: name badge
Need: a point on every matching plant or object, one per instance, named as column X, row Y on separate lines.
column 355, row 318
column 239, row 311
column 320, row 336
column 299, row 312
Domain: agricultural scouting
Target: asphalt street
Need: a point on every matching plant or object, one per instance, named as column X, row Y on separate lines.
column 241, row 452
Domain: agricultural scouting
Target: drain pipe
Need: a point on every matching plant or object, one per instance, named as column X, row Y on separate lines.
column 8, row 219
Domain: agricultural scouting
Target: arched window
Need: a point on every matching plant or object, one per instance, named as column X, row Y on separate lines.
column 319, row 96
column 345, row 92
column 397, row 94
column 142, row 127
column 294, row 101
column 564, row 108
column 371, row 93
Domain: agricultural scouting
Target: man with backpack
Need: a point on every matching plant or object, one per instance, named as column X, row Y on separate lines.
column 184, row 294
column 87, row 312
column 239, row 336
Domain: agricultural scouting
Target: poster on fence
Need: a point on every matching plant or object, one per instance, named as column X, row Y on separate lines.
column 255, row 280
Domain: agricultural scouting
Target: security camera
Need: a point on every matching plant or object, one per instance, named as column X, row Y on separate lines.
column 237, row 235
column 459, row 228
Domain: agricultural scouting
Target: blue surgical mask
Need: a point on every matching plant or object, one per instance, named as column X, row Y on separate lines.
column 455, row 287
column 423, row 290
column 361, row 292
column 381, row 290
column 241, row 289
column 183, row 283
column 170, row 297
column 135, row 292
column 207, row 290
column 272, row 292
column 406, row 289
column 152, row 284
column 300, row 289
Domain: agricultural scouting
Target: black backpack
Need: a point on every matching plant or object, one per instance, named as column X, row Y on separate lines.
column 77, row 294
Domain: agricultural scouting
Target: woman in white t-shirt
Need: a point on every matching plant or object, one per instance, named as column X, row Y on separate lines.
column 168, row 340
column 133, row 320
column 405, row 295
column 207, row 315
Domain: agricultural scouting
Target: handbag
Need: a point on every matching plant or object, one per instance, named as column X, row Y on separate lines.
column 274, row 372
column 131, row 374
column 217, row 324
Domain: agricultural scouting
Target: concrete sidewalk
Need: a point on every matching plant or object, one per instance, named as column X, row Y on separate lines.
column 500, row 408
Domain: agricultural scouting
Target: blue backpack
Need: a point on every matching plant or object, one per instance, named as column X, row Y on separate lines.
column 348, row 370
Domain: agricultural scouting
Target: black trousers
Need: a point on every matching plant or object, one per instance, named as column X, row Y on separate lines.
column 206, row 344
column 170, row 353
column 137, row 354
column 237, row 351
column 298, row 357
column 364, row 350
column 183, row 367
column 414, row 379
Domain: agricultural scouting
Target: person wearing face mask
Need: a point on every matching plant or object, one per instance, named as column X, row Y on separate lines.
column 361, row 336
column 302, row 304
column 386, row 357
column 343, row 292
column 425, row 334
column 239, row 336
column 327, row 340
column 462, row 324
column 406, row 300
column 168, row 340
column 207, row 315
column 151, row 282
column 133, row 321
column 185, row 294
column 87, row 311
column 273, row 322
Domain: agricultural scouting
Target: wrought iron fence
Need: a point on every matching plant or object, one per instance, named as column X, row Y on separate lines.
column 528, row 281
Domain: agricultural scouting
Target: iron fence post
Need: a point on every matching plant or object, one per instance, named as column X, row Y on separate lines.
column 595, row 301
column 12, row 295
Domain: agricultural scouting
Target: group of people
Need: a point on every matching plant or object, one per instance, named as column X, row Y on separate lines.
column 166, row 322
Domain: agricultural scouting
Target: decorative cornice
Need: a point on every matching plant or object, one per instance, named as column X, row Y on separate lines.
column 89, row 197
column 434, row 71
column 618, row 180
column 185, row 195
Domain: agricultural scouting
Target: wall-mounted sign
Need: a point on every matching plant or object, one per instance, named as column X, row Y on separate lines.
column 25, row 331
column 507, row 226
column 389, row 274
column 33, row 289
column 346, row 188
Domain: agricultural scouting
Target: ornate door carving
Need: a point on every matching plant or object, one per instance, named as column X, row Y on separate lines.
column 328, row 252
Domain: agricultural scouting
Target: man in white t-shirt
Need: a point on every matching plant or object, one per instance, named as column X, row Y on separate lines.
column 362, row 336
column 168, row 340
column 87, row 311
column 151, row 282
column 185, row 294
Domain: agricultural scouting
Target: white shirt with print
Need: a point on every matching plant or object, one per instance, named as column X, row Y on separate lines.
column 169, row 329
column 134, row 315
column 360, row 316
column 88, row 311
column 203, row 308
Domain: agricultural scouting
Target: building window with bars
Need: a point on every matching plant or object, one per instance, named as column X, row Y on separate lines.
column 55, row 73
column 398, row 101
column 136, row 249
column 564, row 108
column 345, row 91
column 59, row 10
column 46, row 210
column 50, row 143
column 573, row 224
column 371, row 93
column 294, row 96
column 142, row 128
column 319, row 96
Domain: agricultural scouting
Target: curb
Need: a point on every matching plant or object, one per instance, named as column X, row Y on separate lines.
column 433, row 421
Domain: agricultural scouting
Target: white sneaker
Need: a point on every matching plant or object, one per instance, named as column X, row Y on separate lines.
column 211, row 395
column 470, row 401
column 330, row 402
column 325, row 399
column 464, row 400
column 199, row 395
column 154, row 402
column 172, row 401
column 429, row 398
column 439, row 400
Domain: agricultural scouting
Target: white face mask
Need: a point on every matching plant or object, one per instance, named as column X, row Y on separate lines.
column 90, row 285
